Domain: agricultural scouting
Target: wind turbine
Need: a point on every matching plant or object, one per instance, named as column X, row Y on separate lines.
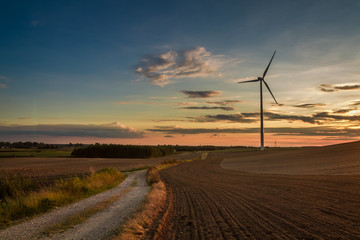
column 262, row 80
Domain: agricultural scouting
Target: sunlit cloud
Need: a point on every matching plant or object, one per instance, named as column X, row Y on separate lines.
column 329, row 117
column 201, row 94
column 209, row 108
column 161, row 69
column 142, row 103
column 338, row 87
column 187, row 103
column 355, row 103
column 343, row 111
column 111, row 130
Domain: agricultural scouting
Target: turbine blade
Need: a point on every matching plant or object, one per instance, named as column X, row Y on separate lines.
column 270, row 92
column 255, row 80
column 269, row 65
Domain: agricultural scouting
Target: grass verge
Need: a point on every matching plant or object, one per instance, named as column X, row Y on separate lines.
column 136, row 227
column 22, row 197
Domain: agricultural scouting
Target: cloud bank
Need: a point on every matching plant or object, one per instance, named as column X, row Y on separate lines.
column 317, row 118
column 311, row 131
column 111, row 130
column 160, row 69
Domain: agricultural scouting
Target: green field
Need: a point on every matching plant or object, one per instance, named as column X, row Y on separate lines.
column 8, row 153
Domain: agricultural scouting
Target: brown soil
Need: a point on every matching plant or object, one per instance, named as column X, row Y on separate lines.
column 54, row 167
column 341, row 159
column 209, row 202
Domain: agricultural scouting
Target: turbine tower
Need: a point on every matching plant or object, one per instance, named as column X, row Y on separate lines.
column 262, row 80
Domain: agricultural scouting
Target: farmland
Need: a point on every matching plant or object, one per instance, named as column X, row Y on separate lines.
column 209, row 202
column 307, row 193
column 9, row 153
column 46, row 167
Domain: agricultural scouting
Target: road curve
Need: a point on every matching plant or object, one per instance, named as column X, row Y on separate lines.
column 208, row 202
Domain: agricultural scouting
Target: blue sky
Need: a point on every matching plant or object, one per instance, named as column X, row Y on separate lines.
column 122, row 66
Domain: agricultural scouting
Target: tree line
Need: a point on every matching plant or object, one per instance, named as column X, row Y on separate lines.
column 37, row 145
column 122, row 151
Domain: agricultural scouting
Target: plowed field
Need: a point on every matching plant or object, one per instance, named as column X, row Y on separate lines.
column 55, row 167
column 209, row 202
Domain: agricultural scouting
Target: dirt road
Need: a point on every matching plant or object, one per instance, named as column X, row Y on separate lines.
column 129, row 194
column 209, row 202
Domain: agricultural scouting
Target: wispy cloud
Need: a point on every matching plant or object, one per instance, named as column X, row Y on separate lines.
column 201, row 94
column 160, row 69
column 338, row 87
column 141, row 102
column 187, row 103
column 234, row 118
column 355, row 103
column 290, row 118
column 225, row 102
column 209, row 108
column 111, row 130
column 309, row 105
column 331, row 117
column 343, row 111
column 3, row 85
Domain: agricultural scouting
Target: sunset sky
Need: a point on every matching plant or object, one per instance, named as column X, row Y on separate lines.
column 166, row 72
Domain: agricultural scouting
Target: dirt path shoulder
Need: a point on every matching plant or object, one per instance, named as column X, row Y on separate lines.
column 104, row 223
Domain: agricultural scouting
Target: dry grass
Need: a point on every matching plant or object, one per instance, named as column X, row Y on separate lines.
column 137, row 227
column 19, row 199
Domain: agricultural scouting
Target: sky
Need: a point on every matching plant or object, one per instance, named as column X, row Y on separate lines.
column 167, row 72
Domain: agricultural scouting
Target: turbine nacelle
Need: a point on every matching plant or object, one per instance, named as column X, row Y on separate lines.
column 262, row 79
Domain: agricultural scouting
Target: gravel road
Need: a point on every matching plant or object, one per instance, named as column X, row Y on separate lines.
column 100, row 225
